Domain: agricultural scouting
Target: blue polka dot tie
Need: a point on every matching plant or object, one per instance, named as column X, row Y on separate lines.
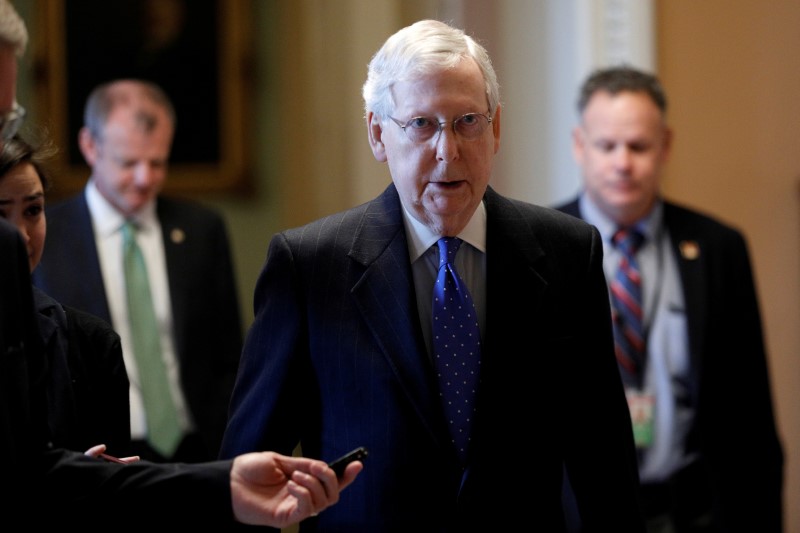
column 456, row 346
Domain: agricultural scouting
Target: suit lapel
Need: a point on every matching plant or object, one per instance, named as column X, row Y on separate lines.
column 690, row 250
column 512, row 275
column 385, row 295
column 74, row 218
column 174, row 238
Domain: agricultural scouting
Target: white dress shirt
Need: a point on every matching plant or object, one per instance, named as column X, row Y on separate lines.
column 107, row 223
column 470, row 264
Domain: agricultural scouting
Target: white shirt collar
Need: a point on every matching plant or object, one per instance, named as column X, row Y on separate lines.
column 105, row 217
column 650, row 225
column 421, row 238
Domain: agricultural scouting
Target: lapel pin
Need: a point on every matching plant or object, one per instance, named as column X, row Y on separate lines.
column 690, row 250
column 177, row 235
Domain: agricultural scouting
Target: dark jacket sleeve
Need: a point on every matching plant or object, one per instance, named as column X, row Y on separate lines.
column 80, row 490
column 100, row 382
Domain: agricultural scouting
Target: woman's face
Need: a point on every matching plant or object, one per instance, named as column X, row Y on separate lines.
column 22, row 204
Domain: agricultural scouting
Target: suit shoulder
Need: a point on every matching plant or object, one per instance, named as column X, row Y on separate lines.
column 65, row 206
column 186, row 207
column 551, row 218
column 349, row 218
column 88, row 323
column 571, row 207
column 678, row 215
column 188, row 216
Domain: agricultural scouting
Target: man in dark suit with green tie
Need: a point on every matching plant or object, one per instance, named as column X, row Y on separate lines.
column 126, row 140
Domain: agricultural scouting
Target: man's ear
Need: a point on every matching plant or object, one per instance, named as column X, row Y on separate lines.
column 375, row 133
column 87, row 145
column 496, row 127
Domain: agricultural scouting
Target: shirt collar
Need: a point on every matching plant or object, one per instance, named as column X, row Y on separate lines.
column 421, row 238
column 650, row 225
column 107, row 219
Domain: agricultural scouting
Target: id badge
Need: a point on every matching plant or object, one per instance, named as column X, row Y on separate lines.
column 641, row 406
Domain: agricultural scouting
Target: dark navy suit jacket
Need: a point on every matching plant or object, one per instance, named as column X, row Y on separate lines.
column 336, row 359
column 734, row 432
column 206, row 313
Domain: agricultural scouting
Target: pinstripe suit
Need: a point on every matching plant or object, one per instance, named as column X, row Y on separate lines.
column 336, row 359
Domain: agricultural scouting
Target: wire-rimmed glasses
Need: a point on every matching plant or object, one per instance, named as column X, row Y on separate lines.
column 422, row 129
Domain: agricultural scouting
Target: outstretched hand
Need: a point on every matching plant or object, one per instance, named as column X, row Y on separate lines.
column 276, row 490
column 99, row 452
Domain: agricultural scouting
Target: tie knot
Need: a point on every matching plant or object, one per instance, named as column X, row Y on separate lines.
column 448, row 246
column 129, row 227
column 628, row 240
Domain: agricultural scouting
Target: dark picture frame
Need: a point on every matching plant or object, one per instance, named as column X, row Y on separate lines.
column 196, row 50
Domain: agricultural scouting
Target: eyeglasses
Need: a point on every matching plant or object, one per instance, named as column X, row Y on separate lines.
column 422, row 129
column 10, row 121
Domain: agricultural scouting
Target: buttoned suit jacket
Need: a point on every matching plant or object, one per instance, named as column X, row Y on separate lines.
column 336, row 359
column 734, row 429
column 206, row 314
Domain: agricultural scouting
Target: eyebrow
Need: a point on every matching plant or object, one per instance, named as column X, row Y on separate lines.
column 28, row 198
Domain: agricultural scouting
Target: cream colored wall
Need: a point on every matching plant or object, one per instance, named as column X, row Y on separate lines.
column 732, row 71
column 312, row 156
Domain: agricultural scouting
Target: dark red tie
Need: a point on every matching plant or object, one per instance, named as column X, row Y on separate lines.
column 626, row 303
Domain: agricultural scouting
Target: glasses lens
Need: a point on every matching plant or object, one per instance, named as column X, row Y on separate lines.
column 421, row 129
column 471, row 126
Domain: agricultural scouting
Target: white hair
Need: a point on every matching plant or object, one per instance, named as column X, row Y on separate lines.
column 425, row 46
column 12, row 28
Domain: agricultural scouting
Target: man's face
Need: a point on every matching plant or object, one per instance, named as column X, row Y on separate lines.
column 442, row 181
column 129, row 162
column 621, row 147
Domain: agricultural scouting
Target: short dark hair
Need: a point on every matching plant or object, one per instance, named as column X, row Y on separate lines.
column 619, row 79
column 17, row 150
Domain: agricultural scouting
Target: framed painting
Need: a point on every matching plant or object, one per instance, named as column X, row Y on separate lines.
column 196, row 50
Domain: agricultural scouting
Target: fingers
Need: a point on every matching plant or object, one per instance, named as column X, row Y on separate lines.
column 301, row 487
column 350, row 474
column 324, row 473
column 313, row 483
column 95, row 451
column 320, row 484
